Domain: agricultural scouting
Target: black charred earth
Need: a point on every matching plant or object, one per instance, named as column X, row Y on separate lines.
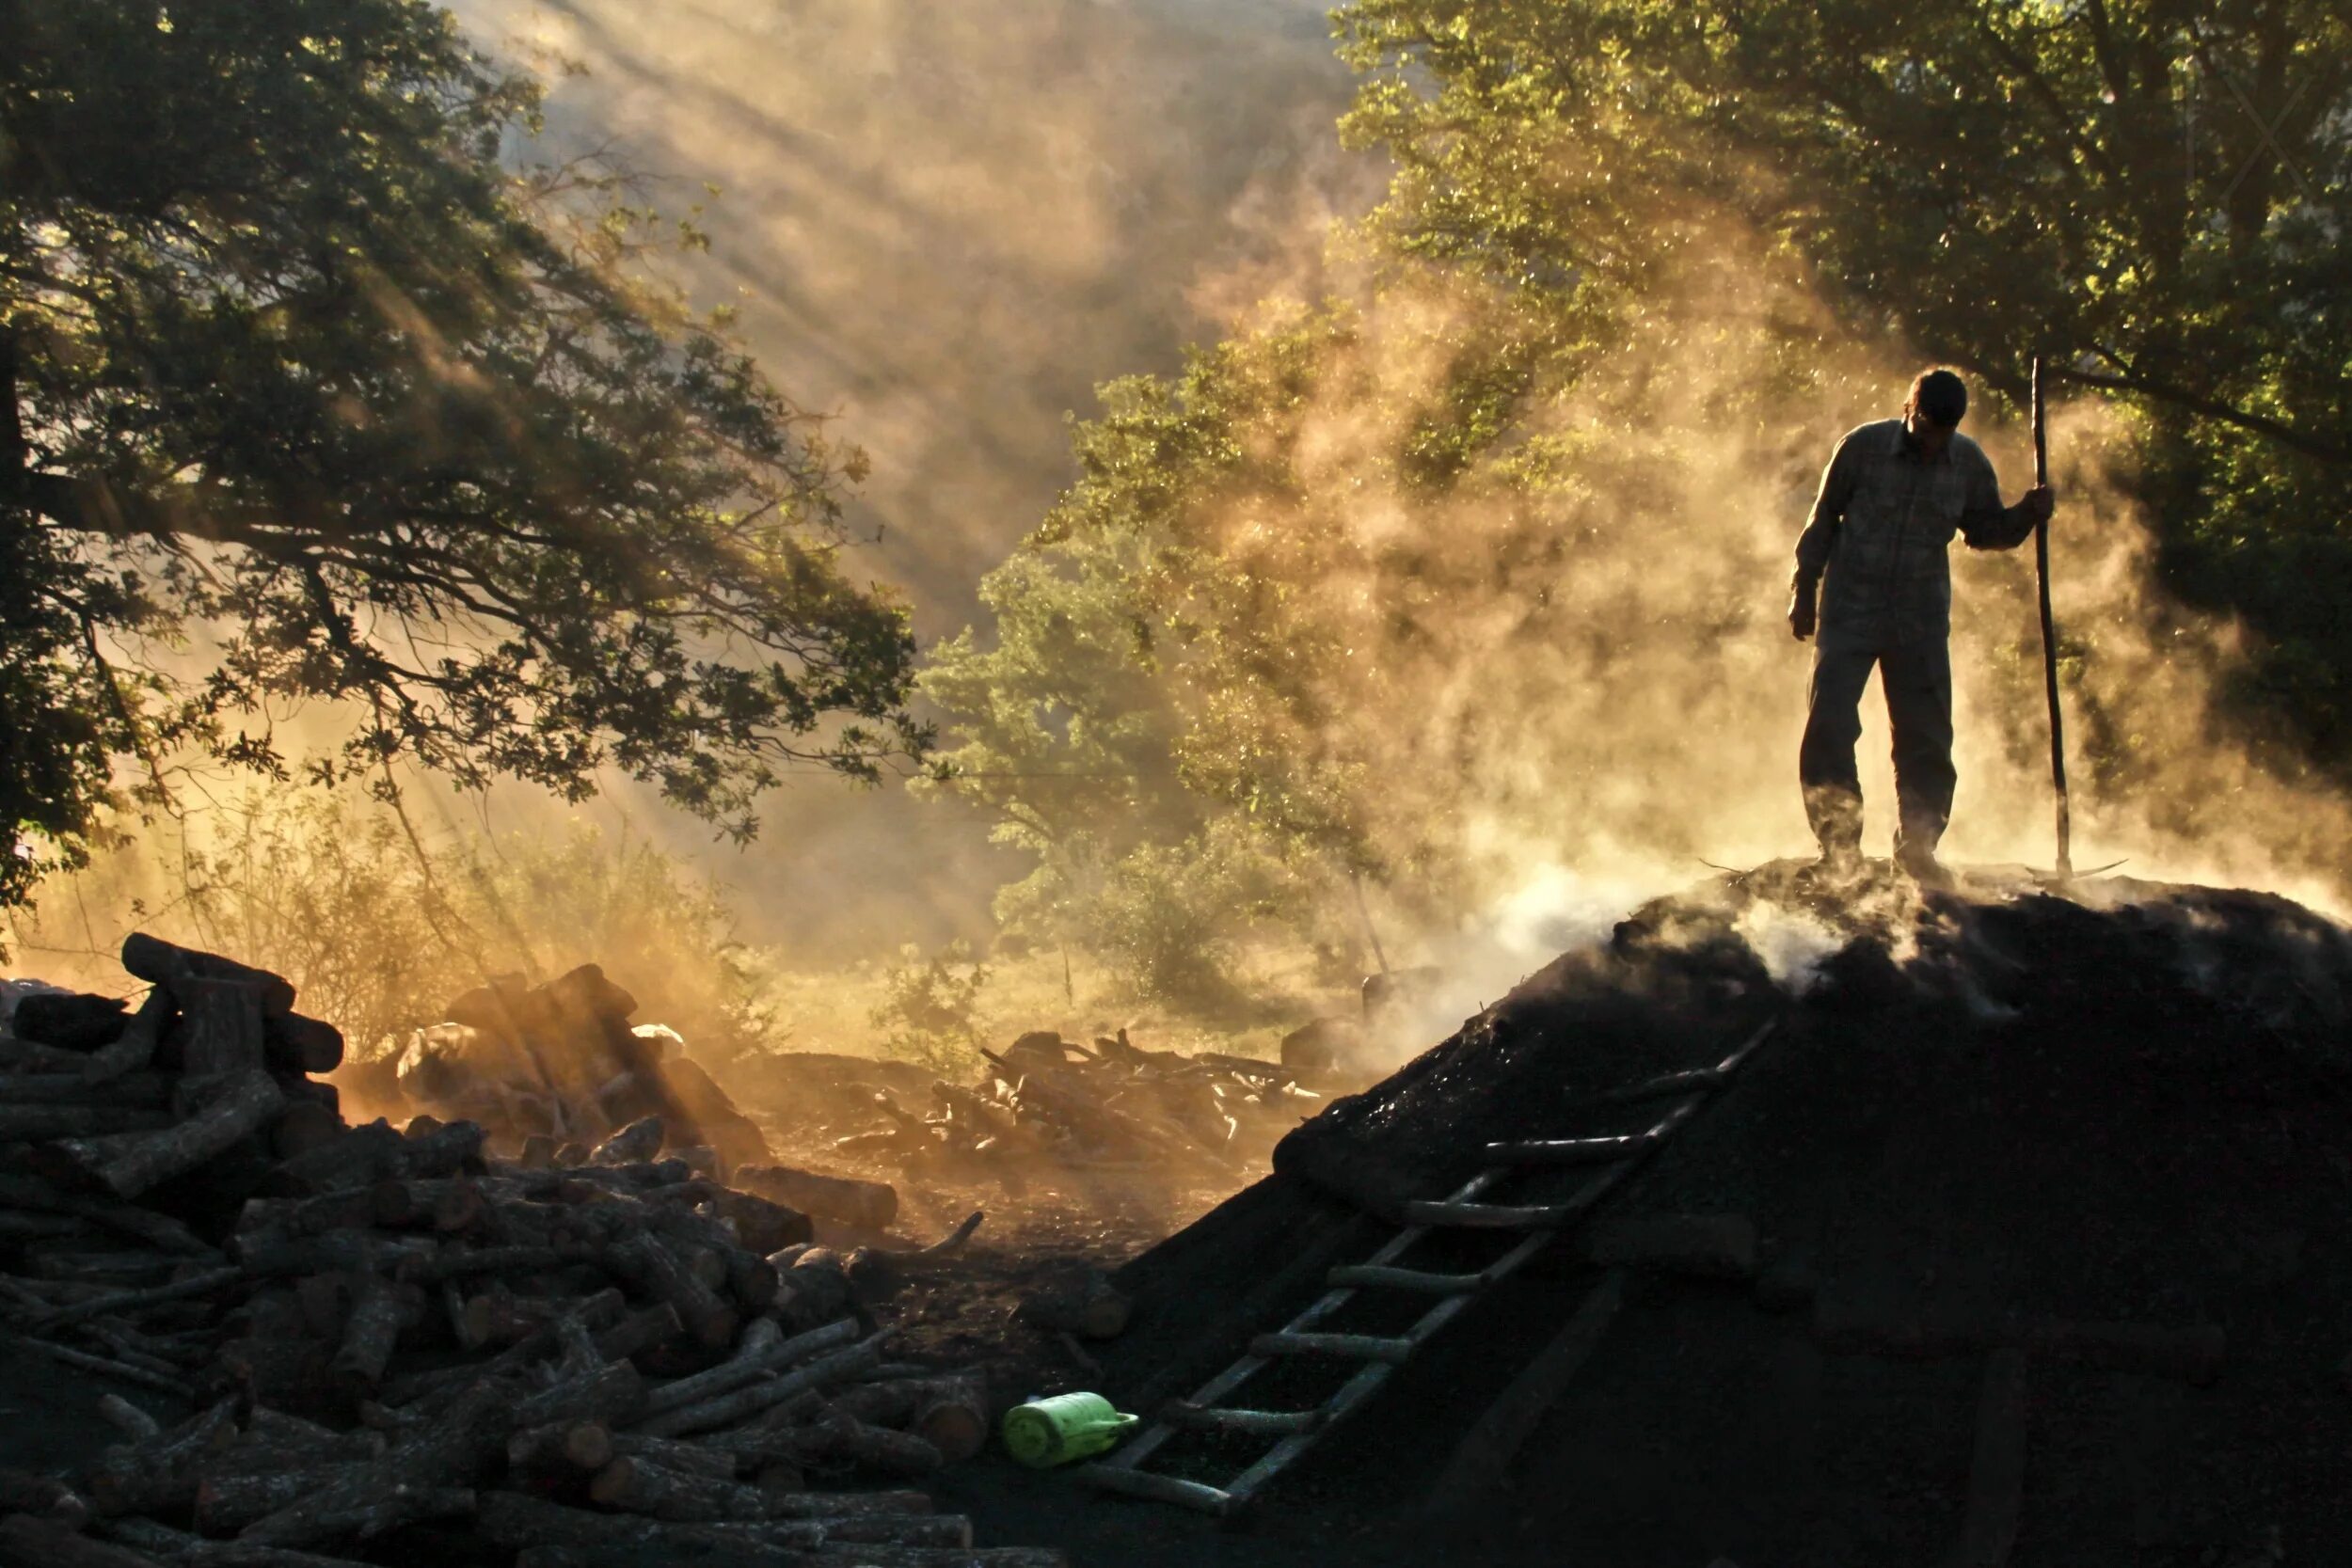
column 2047, row 1196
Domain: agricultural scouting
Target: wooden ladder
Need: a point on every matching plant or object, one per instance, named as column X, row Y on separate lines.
column 1292, row 1433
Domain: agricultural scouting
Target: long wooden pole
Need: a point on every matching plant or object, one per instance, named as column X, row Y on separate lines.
column 2049, row 634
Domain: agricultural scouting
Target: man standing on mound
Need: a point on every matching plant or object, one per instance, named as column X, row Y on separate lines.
column 1894, row 494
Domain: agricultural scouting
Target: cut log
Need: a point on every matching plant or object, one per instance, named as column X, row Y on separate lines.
column 560, row 1449
column 816, row 1288
column 220, row 1025
column 742, row 1403
column 15, row 1226
column 304, row 1125
column 44, row 1497
column 761, row 1225
column 359, row 1158
column 640, row 1332
column 229, row 1499
column 162, row 963
column 109, row 1304
column 240, row 1106
column 857, row 1536
column 671, row 1455
column 40, row 1123
column 628, row 1334
column 837, row 1440
column 153, row 1090
column 135, row 1048
column 654, row 1270
column 951, row 1244
column 642, row 1487
column 350, row 1209
column 640, row 1140
column 498, row 1317
column 953, row 1418
column 268, row 1257
column 538, row 1153
column 280, row 1369
column 69, row 1020
column 763, row 1350
column 293, row 1043
column 159, row 1475
column 21, row 1056
column 379, row 1311
column 513, row 1520
column 860, row 1205
column 725, row 1549
column 452, row 1150
column 157, row 1230
column 1080, row 1301
column 612, row 1394
column 29, row 1541
column 193, row 1551
column 430, row 1266
column 126, row 1418
column 329, row 1516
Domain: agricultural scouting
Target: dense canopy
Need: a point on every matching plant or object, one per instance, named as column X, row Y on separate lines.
column 312, row 387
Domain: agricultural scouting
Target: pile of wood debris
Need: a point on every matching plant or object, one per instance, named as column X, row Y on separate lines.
column 388, row 1340
column 561, row 1064
column 1048, row 1101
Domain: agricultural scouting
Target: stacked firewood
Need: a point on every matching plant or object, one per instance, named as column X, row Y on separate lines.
column 620, row 1361
column 1047, row 1101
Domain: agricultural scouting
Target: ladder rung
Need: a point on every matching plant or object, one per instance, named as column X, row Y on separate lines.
column 1419, row 1281
column 1158, row 1488
column 1491, row 1216
column 1360, row 1347
column 1571, row 1151
column 1200, row 1417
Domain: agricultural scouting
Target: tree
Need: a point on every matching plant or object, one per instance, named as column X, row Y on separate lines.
column 1137, row 725
column 2156, row 195
column 2156, row 192
column 1447, row 580
column 305, row 394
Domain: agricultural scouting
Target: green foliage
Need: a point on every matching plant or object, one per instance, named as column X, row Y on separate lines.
column 2155, row 195
column 289, row 355
column 1167, row 915
column 930, row 1010
column 1140, row 687
column 379, row 928
column 1608, row 226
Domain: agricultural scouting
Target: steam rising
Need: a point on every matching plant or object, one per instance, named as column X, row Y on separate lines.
column 1593, row 671
column 948, row 223
column 945, row 223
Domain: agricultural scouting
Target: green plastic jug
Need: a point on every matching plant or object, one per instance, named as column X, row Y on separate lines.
column 1045, row 1432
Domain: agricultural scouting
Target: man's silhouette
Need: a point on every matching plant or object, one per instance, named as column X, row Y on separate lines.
column 1894, row 494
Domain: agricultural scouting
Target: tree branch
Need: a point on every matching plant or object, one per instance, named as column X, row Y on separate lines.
column 2180, row 397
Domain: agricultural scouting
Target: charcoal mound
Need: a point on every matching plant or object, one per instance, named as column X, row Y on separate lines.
column 2101, row 1126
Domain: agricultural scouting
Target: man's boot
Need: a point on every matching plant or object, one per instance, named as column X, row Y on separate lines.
column 1836, row 818
column 1914, row 857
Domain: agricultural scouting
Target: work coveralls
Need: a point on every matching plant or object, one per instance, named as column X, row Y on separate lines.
column 1880, row 530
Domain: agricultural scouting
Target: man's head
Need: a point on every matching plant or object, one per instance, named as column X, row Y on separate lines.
column 1933, row 411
